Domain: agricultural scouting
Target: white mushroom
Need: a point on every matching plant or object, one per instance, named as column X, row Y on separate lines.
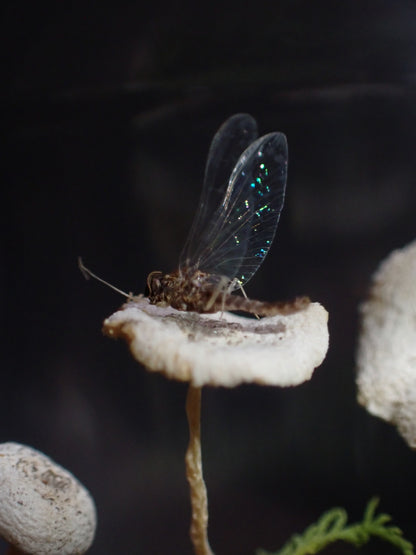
column 219, row 349
column 44, row 509
column 386, row 360
column 223, row 349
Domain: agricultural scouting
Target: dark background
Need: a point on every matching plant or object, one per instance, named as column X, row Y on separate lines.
column 107, row 114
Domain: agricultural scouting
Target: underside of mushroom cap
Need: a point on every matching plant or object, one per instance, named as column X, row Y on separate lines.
column 223, row 349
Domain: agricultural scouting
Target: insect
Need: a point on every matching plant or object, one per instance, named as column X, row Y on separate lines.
column 241, row 201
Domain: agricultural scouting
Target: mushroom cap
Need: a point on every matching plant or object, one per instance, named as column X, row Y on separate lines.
column 44, row 509
column 222, row 348
column 386, row 358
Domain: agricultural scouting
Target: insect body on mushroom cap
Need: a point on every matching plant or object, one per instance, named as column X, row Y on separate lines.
column 241, row 201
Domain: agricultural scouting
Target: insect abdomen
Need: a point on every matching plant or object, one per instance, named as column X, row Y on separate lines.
column 234, row 302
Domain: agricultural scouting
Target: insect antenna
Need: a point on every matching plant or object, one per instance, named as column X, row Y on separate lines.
column 87, row 274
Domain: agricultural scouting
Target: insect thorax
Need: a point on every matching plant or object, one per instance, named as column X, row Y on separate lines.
column 186, row 289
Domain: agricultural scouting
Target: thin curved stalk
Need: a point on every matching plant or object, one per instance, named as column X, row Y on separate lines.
column 193, row 460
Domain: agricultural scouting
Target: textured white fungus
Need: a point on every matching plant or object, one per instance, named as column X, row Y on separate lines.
column 222, row 348
column 44, row 509
column 386, row 360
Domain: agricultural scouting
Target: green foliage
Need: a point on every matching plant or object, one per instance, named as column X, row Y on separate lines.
column 332, row 527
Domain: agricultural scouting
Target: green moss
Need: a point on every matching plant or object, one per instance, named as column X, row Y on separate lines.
column 332, row 527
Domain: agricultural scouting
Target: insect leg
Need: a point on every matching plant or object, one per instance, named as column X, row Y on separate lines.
column 220, row 288
column 240, row 285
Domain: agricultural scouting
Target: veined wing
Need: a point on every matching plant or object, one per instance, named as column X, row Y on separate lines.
column 231, row 139
column 239, row 234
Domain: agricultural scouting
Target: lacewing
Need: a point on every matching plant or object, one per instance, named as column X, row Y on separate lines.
column 241, row 201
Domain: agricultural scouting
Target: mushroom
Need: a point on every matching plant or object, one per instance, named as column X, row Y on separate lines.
column 44, row 509
column 219, row 349
column 386, row 358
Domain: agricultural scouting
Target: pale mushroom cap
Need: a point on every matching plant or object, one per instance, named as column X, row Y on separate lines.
column 44, row 509
column 386, row 360
column 222, row 348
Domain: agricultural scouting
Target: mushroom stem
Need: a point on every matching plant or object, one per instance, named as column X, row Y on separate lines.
column 193, row 460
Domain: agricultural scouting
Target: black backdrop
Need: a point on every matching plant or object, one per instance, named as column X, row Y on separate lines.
column 108, row 113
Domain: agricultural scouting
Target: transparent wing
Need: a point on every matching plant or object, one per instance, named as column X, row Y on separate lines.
column 231, row 139
column 239, row 234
